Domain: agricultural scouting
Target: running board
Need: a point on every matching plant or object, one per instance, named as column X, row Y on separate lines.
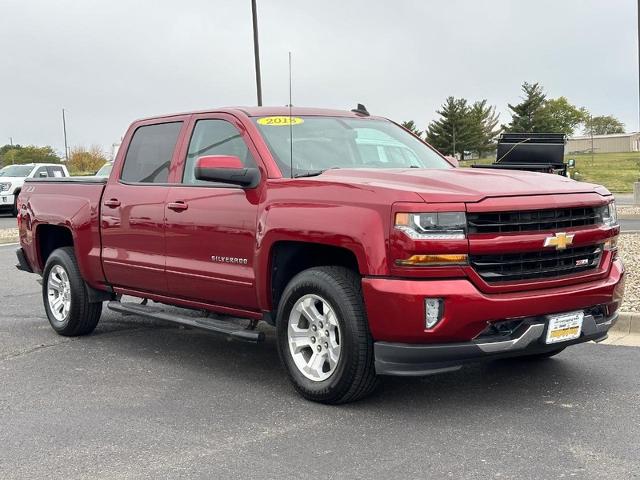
column 205, row 323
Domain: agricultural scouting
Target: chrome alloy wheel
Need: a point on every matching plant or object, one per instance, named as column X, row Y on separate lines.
column 314, row 337
column 59, row 293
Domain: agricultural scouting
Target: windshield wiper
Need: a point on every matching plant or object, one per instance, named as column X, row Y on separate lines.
column 310, row 173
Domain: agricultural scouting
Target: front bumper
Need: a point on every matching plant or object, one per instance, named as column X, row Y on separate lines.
column 418, row 359
column 396, row 312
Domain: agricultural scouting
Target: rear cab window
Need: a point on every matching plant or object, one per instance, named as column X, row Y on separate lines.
column 150, row 153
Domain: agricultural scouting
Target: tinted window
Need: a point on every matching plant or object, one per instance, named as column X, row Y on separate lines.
column 215, row 137
column 150, row 152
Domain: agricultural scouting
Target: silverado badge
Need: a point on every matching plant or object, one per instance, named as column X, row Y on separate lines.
column 559, row 240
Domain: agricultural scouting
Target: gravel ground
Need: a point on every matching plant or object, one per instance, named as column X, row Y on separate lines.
column 8, row 235
column 629, row 246
column 628, row 210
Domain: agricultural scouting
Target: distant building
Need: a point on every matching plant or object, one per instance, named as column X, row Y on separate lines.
column 618, row 142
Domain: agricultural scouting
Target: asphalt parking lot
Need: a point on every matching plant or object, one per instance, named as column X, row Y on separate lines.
column 7, row 220
column 141, row 399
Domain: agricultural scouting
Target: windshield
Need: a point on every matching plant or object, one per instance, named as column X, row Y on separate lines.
column 105, row 170
column 16, row 170
column 320, row 143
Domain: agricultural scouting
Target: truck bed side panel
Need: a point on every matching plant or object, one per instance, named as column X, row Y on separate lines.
column 73, row 205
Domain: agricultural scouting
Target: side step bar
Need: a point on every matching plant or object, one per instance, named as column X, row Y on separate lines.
column 205, row 323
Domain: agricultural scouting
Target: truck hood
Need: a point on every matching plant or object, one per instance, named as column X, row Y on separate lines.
column 12, row 180
column 462, row 184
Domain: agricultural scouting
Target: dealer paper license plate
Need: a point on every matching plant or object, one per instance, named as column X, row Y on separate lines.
column 564, row 326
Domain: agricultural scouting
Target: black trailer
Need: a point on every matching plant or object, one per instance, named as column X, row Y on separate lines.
column 535, row 152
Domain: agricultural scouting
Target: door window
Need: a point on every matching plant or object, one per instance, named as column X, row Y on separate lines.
column 150, row 151
column 41, row 173
column 214, row 137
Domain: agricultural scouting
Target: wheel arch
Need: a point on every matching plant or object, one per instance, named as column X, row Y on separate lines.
column 288, row 258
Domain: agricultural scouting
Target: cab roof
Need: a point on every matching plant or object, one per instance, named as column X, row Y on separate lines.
column 269, row 111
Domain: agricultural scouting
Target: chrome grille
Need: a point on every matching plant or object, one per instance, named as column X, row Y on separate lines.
column 536, row 265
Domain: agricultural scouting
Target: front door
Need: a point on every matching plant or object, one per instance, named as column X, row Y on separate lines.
column 211, row 228
column 132, row 210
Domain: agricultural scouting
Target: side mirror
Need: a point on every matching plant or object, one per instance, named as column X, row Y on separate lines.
column 572, row 163
column 42, row 175
column 453, row 160
column 226, row 169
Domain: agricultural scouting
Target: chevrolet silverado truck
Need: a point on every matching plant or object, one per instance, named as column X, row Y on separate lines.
column 366, row 249
column 12, row 179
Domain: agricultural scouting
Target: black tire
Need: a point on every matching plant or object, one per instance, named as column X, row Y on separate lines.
column 354, row 375
column 82, row 316
column 14, row 209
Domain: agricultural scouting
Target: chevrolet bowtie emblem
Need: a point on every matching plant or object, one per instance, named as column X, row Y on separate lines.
column 559, row 240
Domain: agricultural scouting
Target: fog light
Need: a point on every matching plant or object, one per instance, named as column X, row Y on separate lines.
column 433, row 308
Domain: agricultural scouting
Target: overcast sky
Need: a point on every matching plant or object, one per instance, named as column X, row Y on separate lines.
column 109, row 62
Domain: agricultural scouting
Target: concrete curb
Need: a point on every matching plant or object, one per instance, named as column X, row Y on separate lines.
column 9, row 240
column 628, row 323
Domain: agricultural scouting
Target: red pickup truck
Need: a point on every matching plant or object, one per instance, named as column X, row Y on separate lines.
column 369, row 252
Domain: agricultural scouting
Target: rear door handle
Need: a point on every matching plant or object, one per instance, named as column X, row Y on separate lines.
column 178, row 206
column 112, row 203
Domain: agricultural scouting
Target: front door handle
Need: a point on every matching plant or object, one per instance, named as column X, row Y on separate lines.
column 178, row 206
column 112, row 203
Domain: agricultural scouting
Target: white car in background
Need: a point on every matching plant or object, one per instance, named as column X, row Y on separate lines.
column 12, row 178
column 105, row 170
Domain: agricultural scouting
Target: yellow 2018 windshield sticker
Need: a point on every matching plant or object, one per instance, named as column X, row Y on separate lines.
column 280, row 121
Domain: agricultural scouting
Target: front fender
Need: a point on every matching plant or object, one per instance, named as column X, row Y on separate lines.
column 361, row 230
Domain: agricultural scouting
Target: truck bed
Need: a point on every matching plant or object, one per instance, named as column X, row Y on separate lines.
column 72, row 202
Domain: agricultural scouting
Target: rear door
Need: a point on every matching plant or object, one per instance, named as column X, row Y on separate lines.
column 211, row 228
column 132, row 210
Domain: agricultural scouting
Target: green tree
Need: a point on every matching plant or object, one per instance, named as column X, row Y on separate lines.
column 603, row 125
column 484, row 122
column 453, row 132
column 83, row 161
column 30, row 154
column 560, row 116
column 526, row 116
column 411, row 126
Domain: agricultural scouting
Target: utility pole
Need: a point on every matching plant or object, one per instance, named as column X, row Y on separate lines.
column 454, row 137
column 591, row 129
column 64, row 128
column 256, row 51
column 638, row 8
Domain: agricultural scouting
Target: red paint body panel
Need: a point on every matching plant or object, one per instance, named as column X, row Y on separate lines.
column 210, row 246
column 395, row 307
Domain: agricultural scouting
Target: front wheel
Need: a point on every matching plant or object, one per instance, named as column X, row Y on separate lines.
column 65, row 296
column 323, row 336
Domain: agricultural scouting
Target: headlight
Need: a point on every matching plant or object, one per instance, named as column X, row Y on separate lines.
column 5, row 186
column 609, row 214
column 430, row 226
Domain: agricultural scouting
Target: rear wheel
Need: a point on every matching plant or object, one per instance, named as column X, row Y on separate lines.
column 65, row 296
column 323, row 336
